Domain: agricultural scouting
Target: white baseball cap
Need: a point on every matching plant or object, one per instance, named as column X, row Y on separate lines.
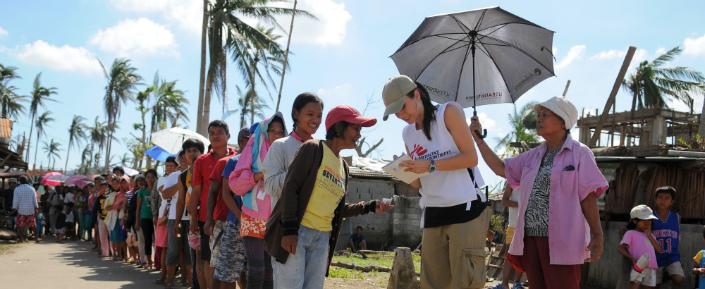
column 642, row 212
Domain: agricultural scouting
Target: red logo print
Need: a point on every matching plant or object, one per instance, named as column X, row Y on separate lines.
column 418, row 151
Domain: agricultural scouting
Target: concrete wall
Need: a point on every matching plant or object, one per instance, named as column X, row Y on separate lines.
column 399, row 227
column 611, row 270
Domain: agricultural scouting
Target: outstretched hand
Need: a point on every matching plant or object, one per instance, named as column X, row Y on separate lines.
column 382, row 207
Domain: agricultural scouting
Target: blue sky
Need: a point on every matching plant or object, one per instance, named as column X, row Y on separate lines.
column 344, row 57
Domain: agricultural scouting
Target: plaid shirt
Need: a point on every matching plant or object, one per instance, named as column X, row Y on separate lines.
column 25, row 200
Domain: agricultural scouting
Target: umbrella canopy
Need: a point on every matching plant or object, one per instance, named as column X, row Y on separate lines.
column 130, row 172
column 477, row 57
column 78, row 181
column 170, row 139
column 53, row 179
column 157, row 153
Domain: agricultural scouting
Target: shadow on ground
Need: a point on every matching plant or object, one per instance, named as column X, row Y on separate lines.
column 80, row 254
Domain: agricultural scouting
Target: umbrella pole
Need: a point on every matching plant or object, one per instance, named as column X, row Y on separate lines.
column 474, row 95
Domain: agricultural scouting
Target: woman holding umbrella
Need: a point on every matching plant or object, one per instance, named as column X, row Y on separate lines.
column 454, row 218
column 559, row 183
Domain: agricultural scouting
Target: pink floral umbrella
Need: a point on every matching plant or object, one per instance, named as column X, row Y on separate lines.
column 78, row 180
column 53, row 179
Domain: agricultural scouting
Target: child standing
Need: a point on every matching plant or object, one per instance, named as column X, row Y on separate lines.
column 666, row 229
column 60, row 225
column 70, row 221
column 640, row 246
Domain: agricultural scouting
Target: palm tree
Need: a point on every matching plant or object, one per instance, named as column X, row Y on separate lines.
column 122, row 81
column 652, row 84
column 42, row 123
column 523, row 123
column 11, row 102
column 52, row 150
column 253, row 60
column 39, row 96
column 125, row 159
column 142, row 106
column 77, row 133
column 176, row 103
column 227, row 29
column 85, row 159
column 250, row 105
column 169, row 105
column 97, row 135
column 200, row 126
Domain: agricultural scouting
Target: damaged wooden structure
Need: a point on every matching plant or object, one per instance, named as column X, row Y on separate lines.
column 639, row 151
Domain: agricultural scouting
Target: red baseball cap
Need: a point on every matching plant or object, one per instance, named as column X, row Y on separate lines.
column 348, row 114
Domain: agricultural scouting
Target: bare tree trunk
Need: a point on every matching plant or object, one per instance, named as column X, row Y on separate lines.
column 29, row 140
column 36, row 148
column 109, row 142
column 200, row 125
column 68, row 151
column 286, row 56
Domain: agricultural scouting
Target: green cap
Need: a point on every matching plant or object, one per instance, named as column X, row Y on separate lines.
column 394, row 92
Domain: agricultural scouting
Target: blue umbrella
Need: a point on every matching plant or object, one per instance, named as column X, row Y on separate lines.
column 157, row 153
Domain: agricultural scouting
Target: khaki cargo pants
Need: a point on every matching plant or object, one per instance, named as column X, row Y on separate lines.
column 453, row 256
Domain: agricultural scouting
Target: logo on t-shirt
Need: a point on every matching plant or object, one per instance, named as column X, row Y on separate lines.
column 418, row 151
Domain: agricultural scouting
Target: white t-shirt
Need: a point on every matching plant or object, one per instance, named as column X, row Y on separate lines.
column 69, row 198
column 513, row 211
column 442, row 188
column 165, row 183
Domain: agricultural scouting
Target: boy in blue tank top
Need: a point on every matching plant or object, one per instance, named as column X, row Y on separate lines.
column 667, row 232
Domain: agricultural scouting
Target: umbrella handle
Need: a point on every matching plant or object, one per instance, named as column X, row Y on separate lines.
column 482, row 135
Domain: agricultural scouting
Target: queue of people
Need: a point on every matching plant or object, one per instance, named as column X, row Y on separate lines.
column 269, row 215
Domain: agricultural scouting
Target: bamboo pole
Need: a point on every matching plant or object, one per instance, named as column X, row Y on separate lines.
column 613, row 94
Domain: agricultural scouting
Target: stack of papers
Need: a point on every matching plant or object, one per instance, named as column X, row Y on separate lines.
column 398, row 172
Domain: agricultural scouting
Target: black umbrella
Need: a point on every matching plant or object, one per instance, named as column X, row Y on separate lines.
column 511, row 55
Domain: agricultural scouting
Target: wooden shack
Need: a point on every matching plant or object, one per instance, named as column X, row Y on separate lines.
column 639, row 152
column 399, row 227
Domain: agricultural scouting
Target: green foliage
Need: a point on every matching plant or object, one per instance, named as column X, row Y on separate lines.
column 652, row 84
column 523, row 124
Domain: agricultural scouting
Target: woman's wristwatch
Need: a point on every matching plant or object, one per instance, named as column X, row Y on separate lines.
column 432, row 166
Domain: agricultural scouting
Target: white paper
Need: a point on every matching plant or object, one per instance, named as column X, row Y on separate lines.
column 395, row 170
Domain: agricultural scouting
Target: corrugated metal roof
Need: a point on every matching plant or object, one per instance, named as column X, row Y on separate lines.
column 365, row 173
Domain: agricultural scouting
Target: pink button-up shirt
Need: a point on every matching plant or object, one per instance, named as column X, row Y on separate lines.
column 574, row 176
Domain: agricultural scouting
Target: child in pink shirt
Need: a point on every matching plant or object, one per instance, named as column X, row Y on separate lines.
column 640, row 246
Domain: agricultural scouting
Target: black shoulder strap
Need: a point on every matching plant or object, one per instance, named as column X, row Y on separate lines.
column 472, row 177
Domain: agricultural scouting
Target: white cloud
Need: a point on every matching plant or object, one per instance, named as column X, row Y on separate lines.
column 3, row 32
column 140, row 5
column 661, row 50
column 609, row 54
column 330, row 27
column 187, row 14
column 136, row 37
column 63, row 58
column 694, row 46
column 639, row 55
column 574, row 53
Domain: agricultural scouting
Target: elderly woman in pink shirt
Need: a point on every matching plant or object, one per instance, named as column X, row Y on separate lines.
column 559, row 225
